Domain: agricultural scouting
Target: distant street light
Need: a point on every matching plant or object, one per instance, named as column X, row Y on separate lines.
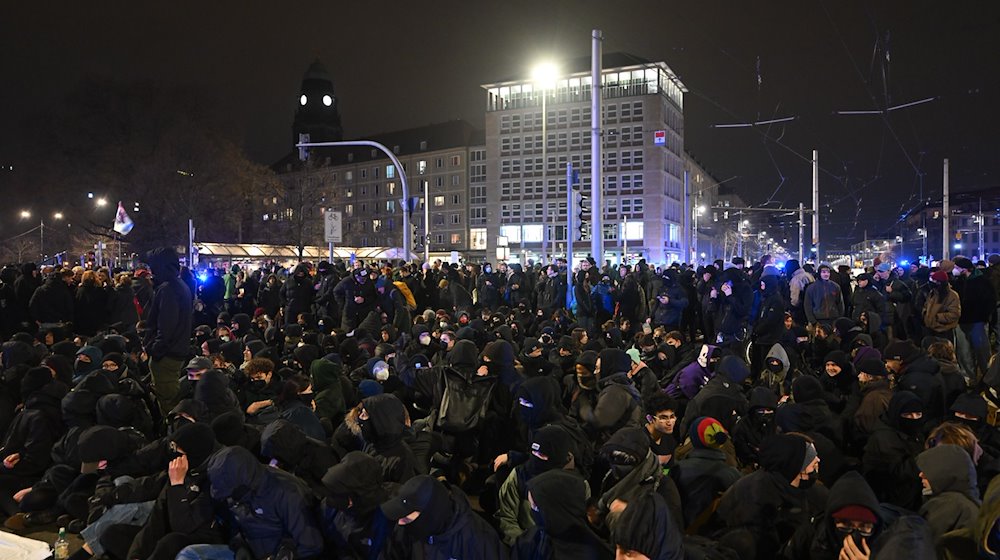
column 102, row 201
column 58, row 215
column 25, row 214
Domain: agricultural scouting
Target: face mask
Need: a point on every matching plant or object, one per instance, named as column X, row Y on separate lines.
column 425, row 340
column 703, row 356
column 586, row 382
column 806, row 483
column 855, row 534
column 381, row 374
column 224, row 338
column 307, row 398
column 774, row 367
column 443, row 324
column 367, row 430
column 487, row 270
column 911, row 427
column 621, row 471
column 258, row 385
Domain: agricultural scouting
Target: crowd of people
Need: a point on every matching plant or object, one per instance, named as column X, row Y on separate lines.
column 575, row 410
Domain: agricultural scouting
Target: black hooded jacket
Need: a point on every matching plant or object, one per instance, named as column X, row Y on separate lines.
column 384, row 433
column 169, row 318
column 889, row 462
column 561, row 529
column 34, row 431
column 270, row 509
column 351, row 518
column 52, row 302
column 300, row 455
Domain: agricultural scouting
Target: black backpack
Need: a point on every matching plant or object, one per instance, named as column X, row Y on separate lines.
column 465, row 400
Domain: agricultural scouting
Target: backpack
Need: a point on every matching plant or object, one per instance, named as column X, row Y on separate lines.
column 464, row 400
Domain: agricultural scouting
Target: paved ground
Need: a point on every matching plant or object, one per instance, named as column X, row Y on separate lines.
column 48, row 534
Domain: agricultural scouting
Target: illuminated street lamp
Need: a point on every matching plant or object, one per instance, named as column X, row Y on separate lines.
column 102, row 201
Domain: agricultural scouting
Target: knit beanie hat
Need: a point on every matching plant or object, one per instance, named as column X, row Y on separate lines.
column 854, row 512
column 784, row 454
column 707, row 433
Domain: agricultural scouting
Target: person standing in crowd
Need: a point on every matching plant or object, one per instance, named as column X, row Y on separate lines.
column 168, row 328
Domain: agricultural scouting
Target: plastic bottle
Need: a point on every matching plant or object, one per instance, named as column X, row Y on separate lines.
column 60, row 550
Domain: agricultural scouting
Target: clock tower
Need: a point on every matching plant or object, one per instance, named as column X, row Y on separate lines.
column 317, row 111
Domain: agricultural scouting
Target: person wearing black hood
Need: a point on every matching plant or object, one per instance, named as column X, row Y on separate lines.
column 971, row 410
column 551, row 447
column 350, row 514
column 618, row 403
column 295, row 403
column 730, row 306
column 765, row 508
column 722, row 396
column 438, row 522
column 297, row 294
column 840, row 384
column 755, row 426
column 384, row 421
column 168, row 326
column 558, row 501
column 769, row 324
column 356, row 296
column 52, row 302
column 27, row 444
column 855, row 526
column 213, row 391
column 647, row 531
column 918, row 373
column 305, row 457
column 231, row 430
column 889, row 460
column 285, row 526
column 533, row 361
column 182, row 513
column 634, row 470
column 489, row 285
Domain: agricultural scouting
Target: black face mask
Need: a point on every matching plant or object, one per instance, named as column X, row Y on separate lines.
column 621, row 471
column 238, row 493
column 807, row 483
column 176, row 423
column 911, row 427
column 367, row 430
column 774, row 367
column 972, row 424
column 258, row 385
column 307, row 398
column 856, row 536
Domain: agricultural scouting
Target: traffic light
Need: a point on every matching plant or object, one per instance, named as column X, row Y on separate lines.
column 417, row 240
column 580, row 207
column 303, row 150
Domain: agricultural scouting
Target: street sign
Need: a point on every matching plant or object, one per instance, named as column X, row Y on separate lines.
column 333, row 226
column 659, row 137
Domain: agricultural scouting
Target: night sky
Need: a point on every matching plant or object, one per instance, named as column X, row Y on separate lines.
column 404, row 64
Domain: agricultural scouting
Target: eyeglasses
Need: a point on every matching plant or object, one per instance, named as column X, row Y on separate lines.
column 863, row 528
column 665, row 417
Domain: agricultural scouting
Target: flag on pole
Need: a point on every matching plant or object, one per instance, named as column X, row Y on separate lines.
column 123, row 224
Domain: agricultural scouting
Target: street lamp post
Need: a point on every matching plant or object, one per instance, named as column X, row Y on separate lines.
column 544, row 76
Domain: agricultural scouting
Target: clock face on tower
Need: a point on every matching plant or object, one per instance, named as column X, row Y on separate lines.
column 327, row 100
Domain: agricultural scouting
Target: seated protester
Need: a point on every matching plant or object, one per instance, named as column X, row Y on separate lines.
column 533, row 361
column 692, row 377
column 661, row 422
column 260, row 391
column 420, row 343
column 295, row 404
column 856, row 526
column 840, row 384
column 379, row 371
column 290, row 449
column 231, row 430
column 437, row 521
column 564, row 355
column 634, row 470
column 722, row 396
column 614, row 402
column 775, row 375
column 351, row 520
column 647, row 530
column 765, row 508
column 558, row 503
column 192, row 374
column 755, row 426
column 970, row 409
column 794, row 418
column 683, row 353
column 106, row 453
column 328, row 384
column 919, row 374
column 213, row 391
column 642, row 376
column 951, row 497
column 551, row 448
column 815, row 415
column 27, row 445
column 889, row 460
column 182, row 513
column 537, row 405
column 271, row 511
column 703, row 475
column 952, row 378
column 873, row 381
column 384, row 423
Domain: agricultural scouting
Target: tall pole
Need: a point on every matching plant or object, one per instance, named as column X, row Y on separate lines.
column 686, row 239
column 41, row 239
column 815, row 236
column 802, row 239
column 945, row 216
column 694, row 238
column 624, row 239
column 569, row 235
column 427, row 222
column 596, row 175
column 982, row 255
column 545, row 182
column 739, row 235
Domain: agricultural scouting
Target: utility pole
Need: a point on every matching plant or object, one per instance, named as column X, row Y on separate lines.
column 739, row 235
column 945, row 217
column 596, row 175
column 545, row 181
column 570, row 233
column 802, row 227
column 815, row 170
column 686, row 225
column 427, row 222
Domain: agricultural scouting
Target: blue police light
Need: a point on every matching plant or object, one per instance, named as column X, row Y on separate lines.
column 904, row 263
column 781, row 266
column 203, row 276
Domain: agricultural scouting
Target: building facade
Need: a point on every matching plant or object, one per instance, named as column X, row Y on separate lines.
column 365, row 186
column 643, row 155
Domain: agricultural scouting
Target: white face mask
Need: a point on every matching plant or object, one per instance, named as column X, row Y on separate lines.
column 703, row 356
column 444, row 324
column 381, row 374
column 425, row 340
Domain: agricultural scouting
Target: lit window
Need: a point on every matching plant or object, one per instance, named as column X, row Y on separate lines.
column 633, row 230
column 376, row 225
column 456, row 238
column 390, row 171
column 349, row 175
column 349, row 209
column 439, row 201
column 456, row 161
column 477, row 237
column 512, row 233
column 422, row 166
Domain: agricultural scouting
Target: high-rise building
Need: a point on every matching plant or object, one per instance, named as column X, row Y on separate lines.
column 643, row 161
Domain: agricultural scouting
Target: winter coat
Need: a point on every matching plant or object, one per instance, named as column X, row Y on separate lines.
column 34, row 431
column 121, row 307
column 978, row 299
column 52, row 302
column 297, row 294
column 563, row 532
column 90, row 311
column 954, row 499
column 922, row 377
column 271, row 509
column 721, row 398
column 305, row 457
column 702, row 476
column 889, row 460
column 769, row 324
column 873, row 402
column 942, row 312
column 467, row 535
column 669, row 315
column 868, row 300
column 797, row 286
column 824, row 302
column 169, row 319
